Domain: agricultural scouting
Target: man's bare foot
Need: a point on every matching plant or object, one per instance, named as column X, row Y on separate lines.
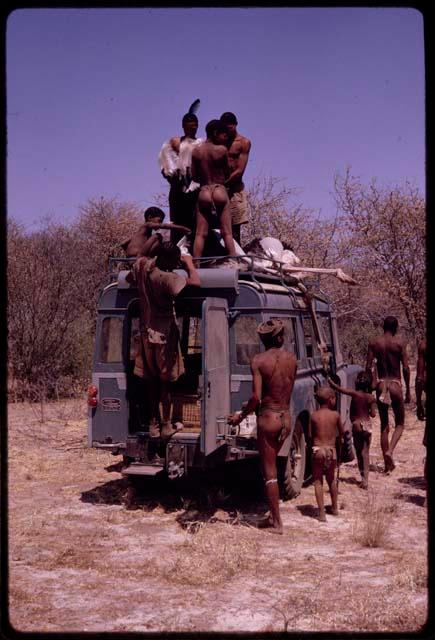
column 334, row 512
column 267, row 523
column 420, row 413
column 364, row 484
column 322, row 516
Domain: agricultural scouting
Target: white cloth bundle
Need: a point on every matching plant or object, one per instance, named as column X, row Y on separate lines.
column 171, row 162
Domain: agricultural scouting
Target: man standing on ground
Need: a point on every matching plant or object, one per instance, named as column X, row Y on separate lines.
column 389, row 350
column 160, row 361
column 273, row 377
column 175, row 163
column 238, row 153
column 211, row 169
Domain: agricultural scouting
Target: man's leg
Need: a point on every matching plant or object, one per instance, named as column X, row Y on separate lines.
column 358, row 444
column 331, row 479
column 399, row 417
column 166, row 404
column 366, row 460
column 151, row 388
column 317, row 462
column 385, row 430
column 268, row 447
column 222, row 205
column 419, row 388
column 203, row 208
column 236, row 232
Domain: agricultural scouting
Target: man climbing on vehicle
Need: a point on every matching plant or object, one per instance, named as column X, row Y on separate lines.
column 160, row 360
column 273, row 377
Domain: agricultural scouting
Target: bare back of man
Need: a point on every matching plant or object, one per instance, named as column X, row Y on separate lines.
column 211, row 169
column 277, row 369
column 389, row 350
column 273, row 377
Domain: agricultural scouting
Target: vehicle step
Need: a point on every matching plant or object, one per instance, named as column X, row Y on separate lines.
column 138, row 469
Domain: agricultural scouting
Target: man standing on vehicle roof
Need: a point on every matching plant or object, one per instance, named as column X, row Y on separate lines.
column 175, row 161
column 389, row 351
column 273, row 377
column 210, row 169
column 238, row 154
column 161, row 361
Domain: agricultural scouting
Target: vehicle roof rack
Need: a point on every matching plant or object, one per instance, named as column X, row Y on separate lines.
column 250, row 272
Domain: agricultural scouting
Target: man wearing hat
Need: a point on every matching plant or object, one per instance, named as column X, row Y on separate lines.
column 273, row 377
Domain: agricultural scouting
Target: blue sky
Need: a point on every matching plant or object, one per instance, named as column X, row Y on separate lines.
column 93, row 93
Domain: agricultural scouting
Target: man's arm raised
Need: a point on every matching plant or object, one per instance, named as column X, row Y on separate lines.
column 242, row 161
column 193, row 275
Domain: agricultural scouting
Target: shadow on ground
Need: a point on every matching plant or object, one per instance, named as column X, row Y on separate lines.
column 234, row 495
column 308, row 510
column 413, row 498
column 417, row 481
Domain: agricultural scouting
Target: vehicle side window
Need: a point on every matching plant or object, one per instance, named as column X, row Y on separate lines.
column 247, row 338
column 309, row 338
column 194, row 341
column 289, row 334
column 111, row 340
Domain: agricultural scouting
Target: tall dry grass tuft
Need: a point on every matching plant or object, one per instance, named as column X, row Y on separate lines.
column 372, row 524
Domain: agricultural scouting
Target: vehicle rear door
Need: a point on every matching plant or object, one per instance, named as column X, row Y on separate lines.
column 108, row 421
column 216, row 374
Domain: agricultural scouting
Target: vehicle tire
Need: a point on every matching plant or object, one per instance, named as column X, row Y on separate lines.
column 292, row 470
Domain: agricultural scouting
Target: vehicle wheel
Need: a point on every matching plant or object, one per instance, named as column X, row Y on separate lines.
column 292, row 470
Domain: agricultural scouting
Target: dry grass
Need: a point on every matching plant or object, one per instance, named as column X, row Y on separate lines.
column 411, row 572
column 179, row 563
column 216, row 553
column 372, row 524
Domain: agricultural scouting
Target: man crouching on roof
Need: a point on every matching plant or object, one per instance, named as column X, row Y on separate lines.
column 273, row 377
column 211, row 169
column 160, row 361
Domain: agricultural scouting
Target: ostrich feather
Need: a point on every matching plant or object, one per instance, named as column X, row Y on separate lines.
column 194, row 106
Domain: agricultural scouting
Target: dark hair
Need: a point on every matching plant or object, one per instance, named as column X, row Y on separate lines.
column 324, row 394
column 228, row 118
column 214, row 127
column 168, row 254
column 390, row 324
column 153, row 212
column 189, row 117
column 363, row 382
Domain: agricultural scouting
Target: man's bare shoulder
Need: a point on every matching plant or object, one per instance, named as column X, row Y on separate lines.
column 244, row 142
column 257, row 359
column 376, row 343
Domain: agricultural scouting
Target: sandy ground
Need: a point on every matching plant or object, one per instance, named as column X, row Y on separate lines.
column 185, row 561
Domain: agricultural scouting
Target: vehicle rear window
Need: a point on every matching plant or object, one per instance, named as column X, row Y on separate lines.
column 247, row 338
column 309, row 338
column 289, row 334
column 111, row 340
